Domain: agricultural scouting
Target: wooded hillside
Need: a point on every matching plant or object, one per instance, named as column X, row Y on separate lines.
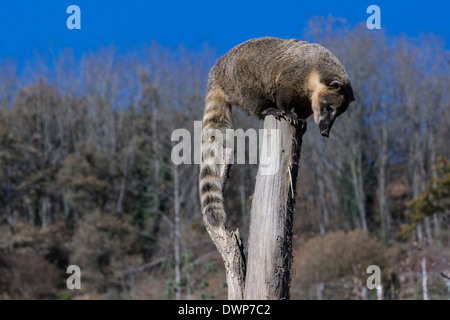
column 86, row 176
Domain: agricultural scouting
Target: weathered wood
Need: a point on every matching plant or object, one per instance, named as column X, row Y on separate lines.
column 270, row 239
column 270, row 242
column 229, row 245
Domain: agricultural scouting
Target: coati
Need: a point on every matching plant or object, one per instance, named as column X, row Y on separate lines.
column 267, row 76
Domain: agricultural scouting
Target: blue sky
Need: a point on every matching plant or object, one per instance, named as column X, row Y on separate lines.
column 29, row 26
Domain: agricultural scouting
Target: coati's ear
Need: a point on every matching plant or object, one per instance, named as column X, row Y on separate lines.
column 335, row 84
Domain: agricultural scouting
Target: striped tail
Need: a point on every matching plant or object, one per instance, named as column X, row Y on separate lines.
column 214, row 169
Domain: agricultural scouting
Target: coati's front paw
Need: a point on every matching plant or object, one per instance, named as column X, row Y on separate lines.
column 277, row 113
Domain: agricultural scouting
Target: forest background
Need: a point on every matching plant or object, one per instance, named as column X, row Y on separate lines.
column 86, row 176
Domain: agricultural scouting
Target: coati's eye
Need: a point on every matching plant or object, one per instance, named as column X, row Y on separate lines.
column 335, row 84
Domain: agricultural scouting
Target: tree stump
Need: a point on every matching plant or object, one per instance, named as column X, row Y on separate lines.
column 271, row 216
column 267, row 273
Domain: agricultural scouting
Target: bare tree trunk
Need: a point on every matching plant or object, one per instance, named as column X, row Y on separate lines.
column 270, row 240
column 380, row 292
column 29, row 208
column 419, row 233
column 428, row 230
column 188, row 286
column 9, row 219
column 45, row 212
column 357, row 182
column 382, row 197
column 424, row 279
column 417, row 170
column 364, row 293
column 437, row 233
column 126, row 167
column 319, row 199
column 229, row 245
column 320, row 288
column 177, row 232
column 435, row 219
column 270, row 236
column 323, row 205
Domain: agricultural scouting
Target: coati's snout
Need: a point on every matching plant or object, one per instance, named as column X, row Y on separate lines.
column 330, row 107
column 326, row 120
column 325, row 127
column 332, row 101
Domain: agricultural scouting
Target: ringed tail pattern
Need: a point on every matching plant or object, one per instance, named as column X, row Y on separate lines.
column 213, row 168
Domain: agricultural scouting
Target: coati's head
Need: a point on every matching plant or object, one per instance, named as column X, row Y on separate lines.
column 328, row 100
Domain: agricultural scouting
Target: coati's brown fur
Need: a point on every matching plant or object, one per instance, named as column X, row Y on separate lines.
column 267, row 76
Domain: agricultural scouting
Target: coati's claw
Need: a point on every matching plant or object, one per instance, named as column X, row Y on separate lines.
column 277, row 113
column 292, row 118
column 297, row 122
